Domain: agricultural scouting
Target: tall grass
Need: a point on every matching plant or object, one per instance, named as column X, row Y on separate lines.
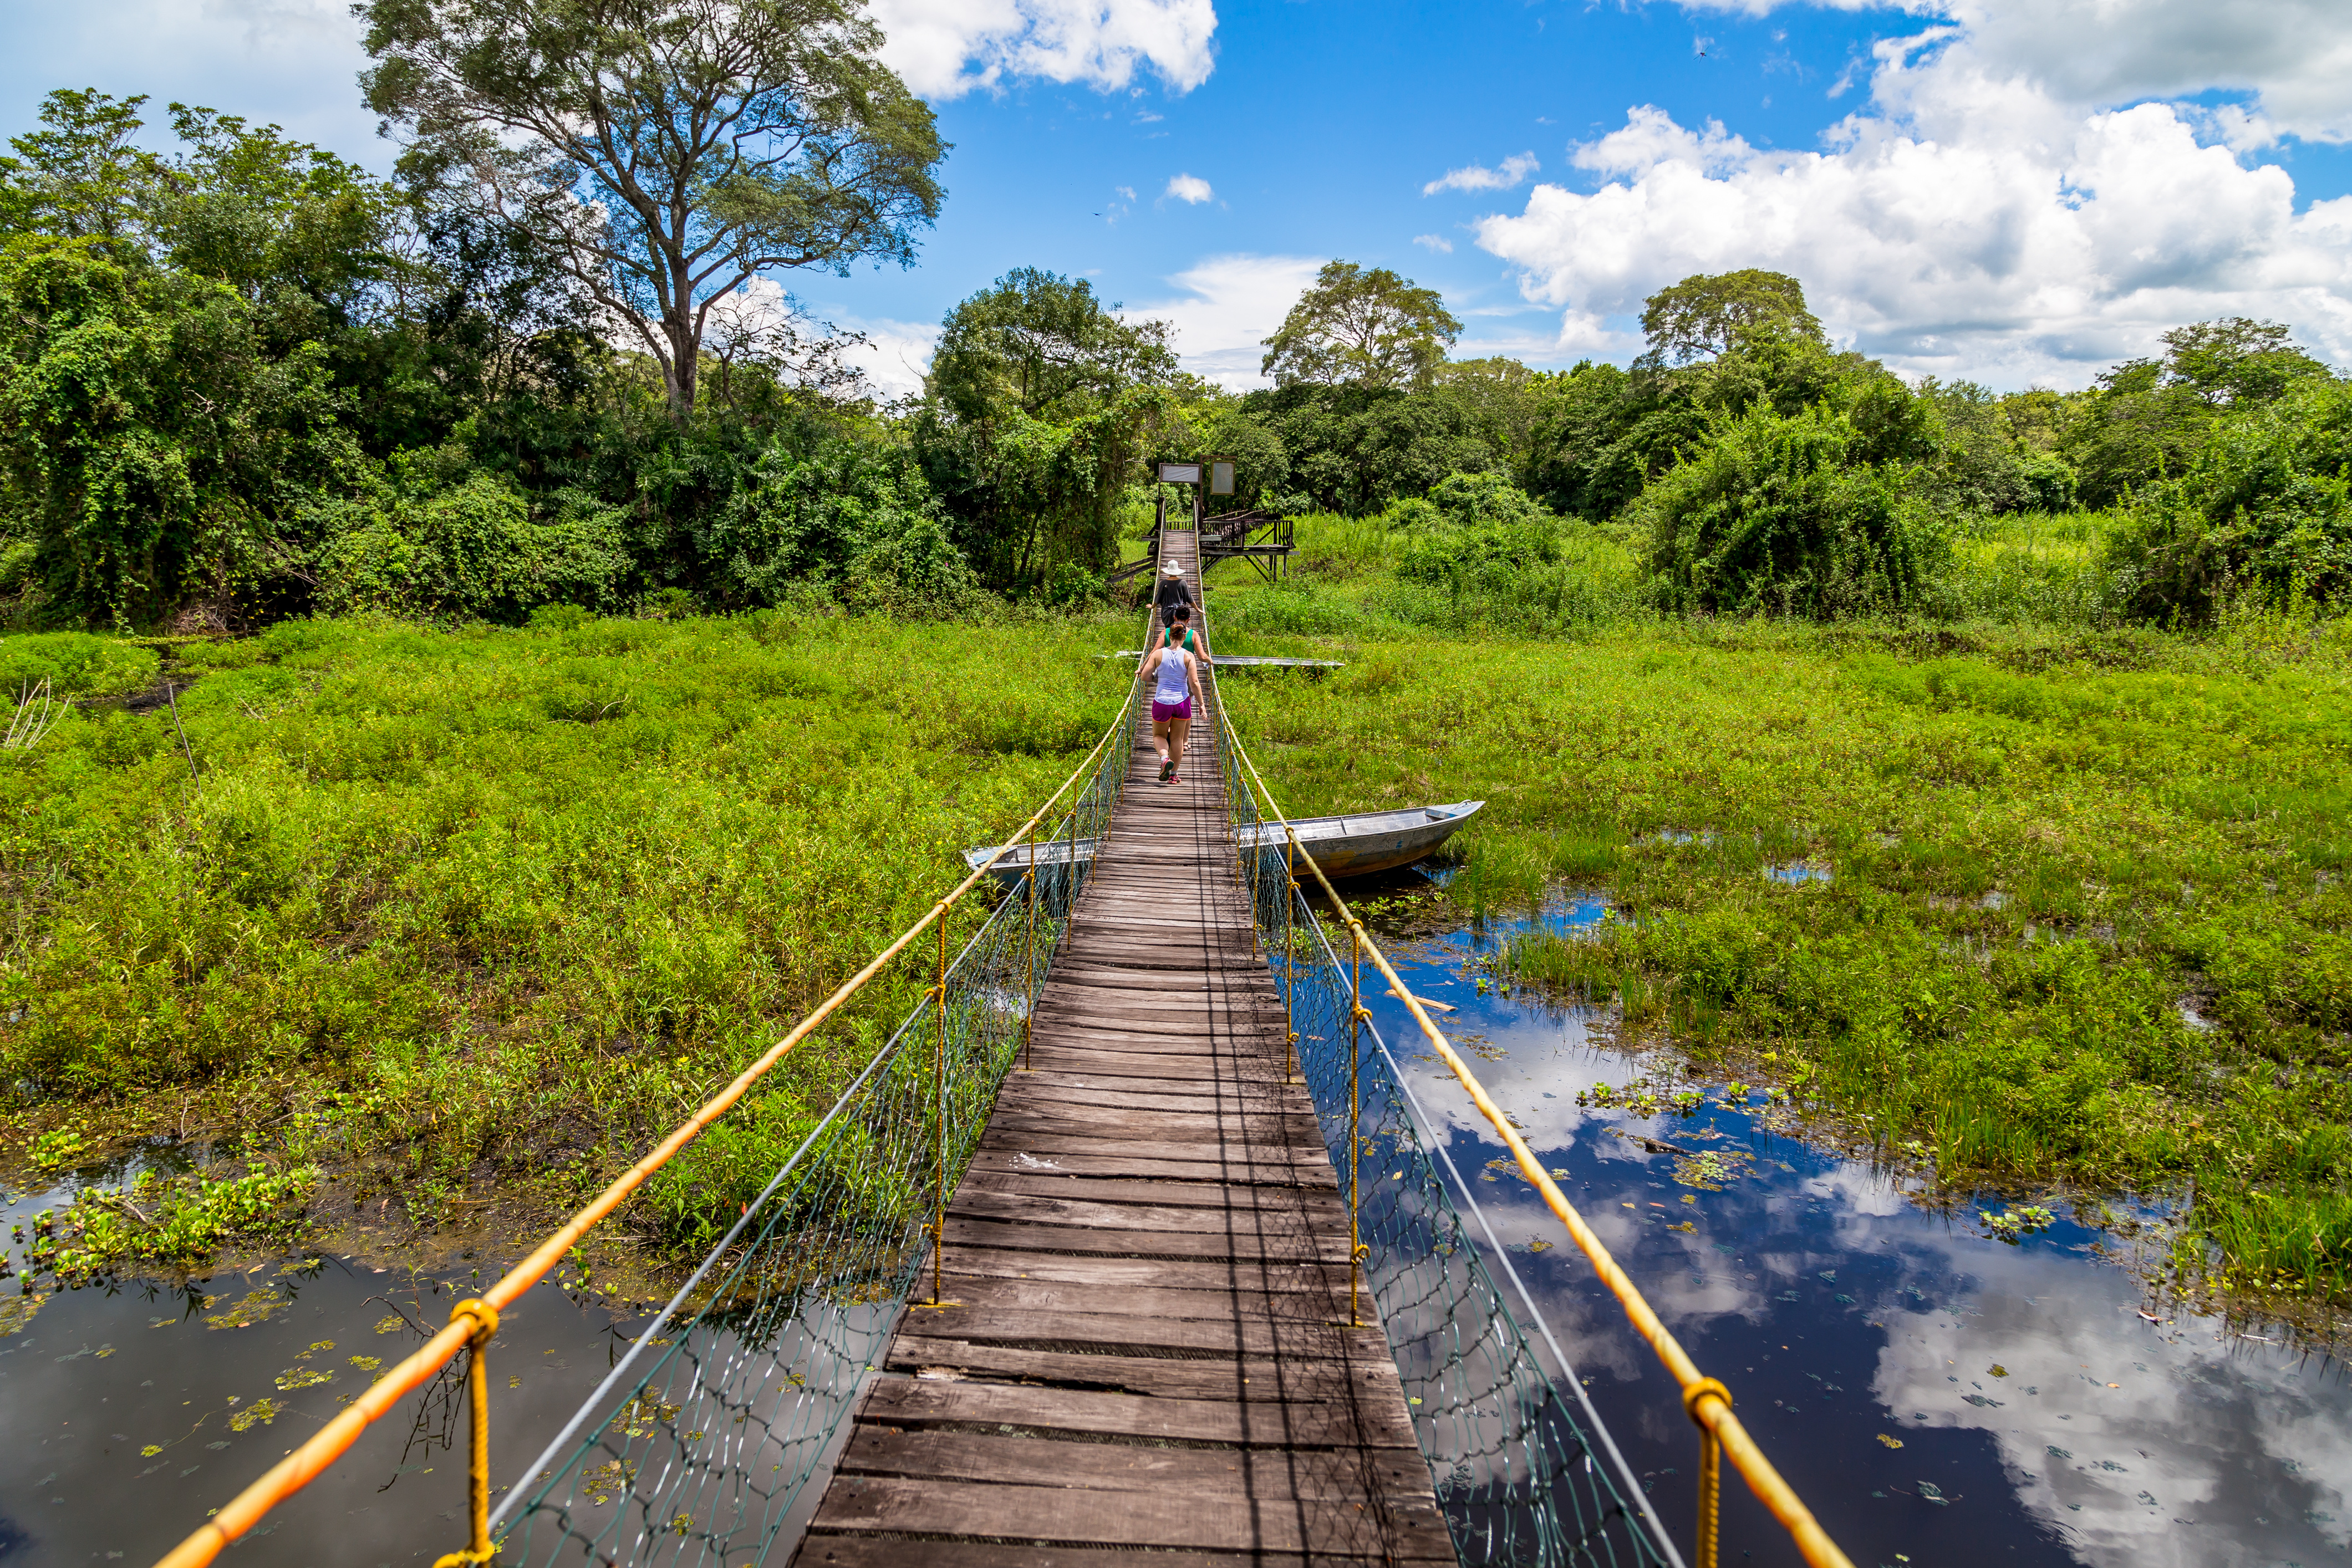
column 2037, row 567
column 483, row 911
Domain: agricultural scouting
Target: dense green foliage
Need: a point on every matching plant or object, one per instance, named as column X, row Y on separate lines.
column 249, row 380
column 1369, row 328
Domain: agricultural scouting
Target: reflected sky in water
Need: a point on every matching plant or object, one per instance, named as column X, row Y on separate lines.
column 1936, row 1395
column 99, row 1375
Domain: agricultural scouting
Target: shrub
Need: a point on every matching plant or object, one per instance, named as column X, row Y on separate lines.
column 1773, row 515
column 1470, row 528
column 473, row 551
column 2267, row 502
column 154, row 441
column 75, row 664
column 817, row 517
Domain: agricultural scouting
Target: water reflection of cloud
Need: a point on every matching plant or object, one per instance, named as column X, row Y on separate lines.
column 2209, row 1448
column 2142, row 1445
column 1858, row 1189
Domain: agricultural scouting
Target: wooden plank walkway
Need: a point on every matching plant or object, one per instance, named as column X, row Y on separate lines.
column 1145, row 1348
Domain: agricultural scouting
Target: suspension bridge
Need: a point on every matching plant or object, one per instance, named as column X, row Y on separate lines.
column 1143, row 1331
column 1132, row 1235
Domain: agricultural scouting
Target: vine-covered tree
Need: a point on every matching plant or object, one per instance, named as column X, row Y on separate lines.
column 673, row 150
column 1369, row 328
column 1037, row 410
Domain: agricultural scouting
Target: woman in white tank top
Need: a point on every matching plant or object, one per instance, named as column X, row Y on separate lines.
column 1175, row 678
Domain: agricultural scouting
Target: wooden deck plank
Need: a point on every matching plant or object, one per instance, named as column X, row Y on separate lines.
column 1145, row 1243
column 1143, row 1344
column 1043, row 1461
column 1064, row 1515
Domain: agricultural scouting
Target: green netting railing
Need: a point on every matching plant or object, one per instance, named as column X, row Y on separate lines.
column 1524, row 1470
column 698, row 1445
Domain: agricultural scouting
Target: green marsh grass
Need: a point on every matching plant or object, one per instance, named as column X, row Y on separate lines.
column 471, row 917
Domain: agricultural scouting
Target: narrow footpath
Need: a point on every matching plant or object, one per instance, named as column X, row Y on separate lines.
column 1144, row 1342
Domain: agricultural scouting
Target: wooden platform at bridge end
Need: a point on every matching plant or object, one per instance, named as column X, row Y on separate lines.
column 1145, row 1359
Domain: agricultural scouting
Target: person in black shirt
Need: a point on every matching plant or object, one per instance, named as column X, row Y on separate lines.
column 1172, row 590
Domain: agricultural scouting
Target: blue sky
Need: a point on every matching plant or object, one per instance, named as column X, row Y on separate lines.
column 2018, row 190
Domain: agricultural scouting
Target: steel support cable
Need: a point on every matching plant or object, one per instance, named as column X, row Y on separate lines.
column 1422, row 1131
column 1707, row 1400
column 1428, row 1129
column 472, row 1321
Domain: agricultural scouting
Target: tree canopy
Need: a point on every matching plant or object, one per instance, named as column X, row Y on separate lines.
column 670, row 150
column 1369, row 328
column 1037, row 410
column 1707, row 317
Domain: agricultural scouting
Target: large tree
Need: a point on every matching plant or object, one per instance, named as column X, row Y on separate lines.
column 672, row 150
column 1368, row 329
column 79, row 178
column 1039, row 406
column 1705, row 317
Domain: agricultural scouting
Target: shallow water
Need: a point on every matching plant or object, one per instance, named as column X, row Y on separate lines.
column 98, row 1376
column 1934, row 1394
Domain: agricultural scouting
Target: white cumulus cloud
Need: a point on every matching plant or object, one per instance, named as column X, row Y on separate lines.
column 1976, row 219
column 896, row 355
column 1436, row 242
column 2295, row 56
column 1511, row 172
column 1227, row 306
column 1187, row 189
column 947, row 48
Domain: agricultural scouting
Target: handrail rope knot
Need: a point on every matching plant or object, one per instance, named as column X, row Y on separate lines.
column 1705, row 1387
column 484, row 1316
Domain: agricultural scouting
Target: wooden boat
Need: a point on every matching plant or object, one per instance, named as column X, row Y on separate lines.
column 1354, row 845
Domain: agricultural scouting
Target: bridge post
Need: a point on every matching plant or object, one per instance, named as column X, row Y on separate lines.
column 1356, row 1015
column 1029, row 948
column 939, row 1082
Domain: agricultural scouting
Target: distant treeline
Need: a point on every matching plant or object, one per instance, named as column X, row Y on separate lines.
column 250, row 379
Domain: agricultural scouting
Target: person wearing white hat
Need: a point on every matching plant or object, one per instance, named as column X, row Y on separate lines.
column 1172, row 590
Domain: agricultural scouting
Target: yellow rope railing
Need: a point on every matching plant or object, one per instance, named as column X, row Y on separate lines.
column 1705, row 1400
column 474, row 1322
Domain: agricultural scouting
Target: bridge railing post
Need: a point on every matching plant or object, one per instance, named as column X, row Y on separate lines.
column 1356, row 1016
column 939, row 1166
column 479, row 1549
column 1029, row 950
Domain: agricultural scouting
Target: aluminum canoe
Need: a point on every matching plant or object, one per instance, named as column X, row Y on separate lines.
column 1354, row 845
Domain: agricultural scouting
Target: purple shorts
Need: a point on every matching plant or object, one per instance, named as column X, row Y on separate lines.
column 1163, row 712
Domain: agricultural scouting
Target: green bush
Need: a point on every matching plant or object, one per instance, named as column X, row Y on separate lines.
column 2267, row 502
column 474, row 549
column 155, row 442
column 1774, row 516
column 860, row 521
column 1472, row 532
